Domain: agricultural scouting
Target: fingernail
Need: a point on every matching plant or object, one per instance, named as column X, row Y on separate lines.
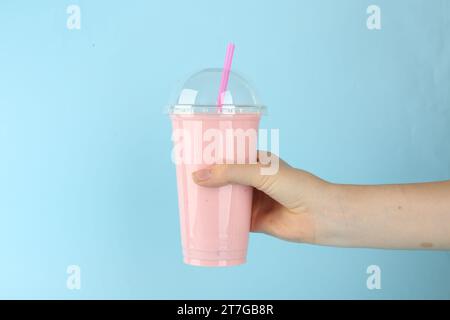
column 202, row 175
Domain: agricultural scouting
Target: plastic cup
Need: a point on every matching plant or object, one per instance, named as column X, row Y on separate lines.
column 214, row 222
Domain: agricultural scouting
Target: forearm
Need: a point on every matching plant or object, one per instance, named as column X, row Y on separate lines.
column 410, row 216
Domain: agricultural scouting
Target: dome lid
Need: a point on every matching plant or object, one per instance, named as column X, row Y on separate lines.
column 199, row 94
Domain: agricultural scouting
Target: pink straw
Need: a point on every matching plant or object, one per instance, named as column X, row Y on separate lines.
column 225, row 74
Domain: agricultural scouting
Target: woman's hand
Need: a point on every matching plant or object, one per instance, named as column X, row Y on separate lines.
column 297, row 206
column 287, row 205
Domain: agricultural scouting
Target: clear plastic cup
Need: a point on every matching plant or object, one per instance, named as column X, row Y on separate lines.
column 215, row 222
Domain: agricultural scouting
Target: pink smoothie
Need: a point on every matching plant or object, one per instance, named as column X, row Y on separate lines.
column 215, row 222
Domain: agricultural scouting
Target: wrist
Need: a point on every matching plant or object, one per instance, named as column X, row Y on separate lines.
column 332, row 222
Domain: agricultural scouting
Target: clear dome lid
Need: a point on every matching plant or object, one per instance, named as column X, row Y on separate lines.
column 199, row 94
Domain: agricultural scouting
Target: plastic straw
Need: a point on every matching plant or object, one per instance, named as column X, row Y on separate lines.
column 225, row 74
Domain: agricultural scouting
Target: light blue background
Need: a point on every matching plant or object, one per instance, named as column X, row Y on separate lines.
column 85, row 170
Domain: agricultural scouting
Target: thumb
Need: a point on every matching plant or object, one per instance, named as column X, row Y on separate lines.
column 281, row 184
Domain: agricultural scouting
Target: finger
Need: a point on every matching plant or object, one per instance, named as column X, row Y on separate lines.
column 280, row 185
column 262, row 207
